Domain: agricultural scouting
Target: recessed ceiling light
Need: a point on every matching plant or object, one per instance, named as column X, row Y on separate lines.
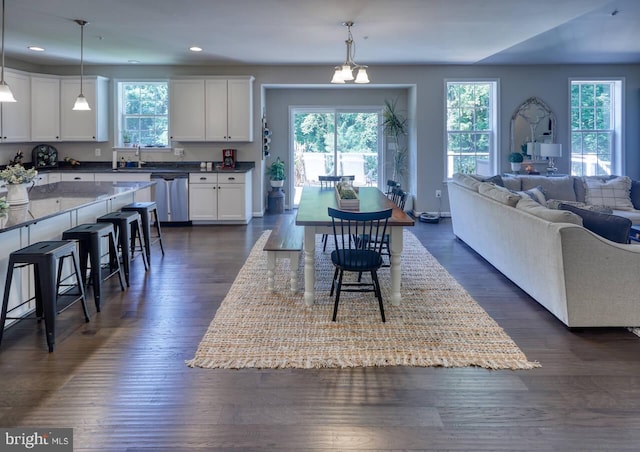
column 36, row 48
column 195, row 49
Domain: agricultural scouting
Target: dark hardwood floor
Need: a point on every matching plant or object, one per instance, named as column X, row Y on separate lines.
column 120, row 381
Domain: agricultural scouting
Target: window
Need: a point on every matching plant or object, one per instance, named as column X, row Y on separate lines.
column 471, row 127
column 596, row 148
column 345, row 141
column 143, row 114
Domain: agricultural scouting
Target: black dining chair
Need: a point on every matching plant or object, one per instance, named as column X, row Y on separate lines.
column 357, row 256
column 330, row 182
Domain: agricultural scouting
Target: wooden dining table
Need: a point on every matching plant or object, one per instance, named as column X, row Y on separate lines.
column 314, row 217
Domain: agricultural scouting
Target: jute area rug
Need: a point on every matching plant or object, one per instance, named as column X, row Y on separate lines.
column 437, row 323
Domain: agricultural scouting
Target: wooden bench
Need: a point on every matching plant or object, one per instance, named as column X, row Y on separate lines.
column 285, row 240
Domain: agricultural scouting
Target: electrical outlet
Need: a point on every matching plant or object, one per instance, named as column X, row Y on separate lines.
column 438, row 193
column 179, row 152
column 98, row 152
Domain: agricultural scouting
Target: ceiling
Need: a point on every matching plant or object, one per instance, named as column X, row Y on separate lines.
column 284, row 32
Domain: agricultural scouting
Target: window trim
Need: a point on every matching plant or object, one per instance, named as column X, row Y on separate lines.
column 494, row 139
column 117, row 117
column 618, row 157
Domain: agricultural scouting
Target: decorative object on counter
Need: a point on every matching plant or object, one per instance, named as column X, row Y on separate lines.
column 18, row 180
column 228, row 158
column 81, row 101
column 44, row 156
column 5, row 92
column 551, row 150
column 515, row 158
column 71, row 161
column 17, row 160
column 347, row 196
column 276, row 173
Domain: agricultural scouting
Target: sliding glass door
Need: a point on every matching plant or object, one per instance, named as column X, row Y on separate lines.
column 340, row 142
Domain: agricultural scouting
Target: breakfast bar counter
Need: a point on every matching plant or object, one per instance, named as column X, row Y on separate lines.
column 51, row 210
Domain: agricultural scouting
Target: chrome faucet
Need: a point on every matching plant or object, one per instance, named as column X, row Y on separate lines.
column 139, row 156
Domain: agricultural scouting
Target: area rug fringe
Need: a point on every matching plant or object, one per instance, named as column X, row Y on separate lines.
column 438, row 324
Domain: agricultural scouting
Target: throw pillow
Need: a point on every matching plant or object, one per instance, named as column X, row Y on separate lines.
column 497, row 180
column 611, row 227
column 537, row 194
column 635, row 194
column 555, row 216
column 499, row 194
column 555, row 204
column 556, row 187
column 614, row 193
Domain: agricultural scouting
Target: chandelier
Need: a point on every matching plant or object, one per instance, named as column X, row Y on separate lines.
column 344, row 73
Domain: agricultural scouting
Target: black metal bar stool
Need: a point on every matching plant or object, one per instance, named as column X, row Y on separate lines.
column 146, row 209
column 90, row 240
column 47, row 259
column 128, row 228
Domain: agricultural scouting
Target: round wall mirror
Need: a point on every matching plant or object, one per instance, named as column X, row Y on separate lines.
column 533, row 121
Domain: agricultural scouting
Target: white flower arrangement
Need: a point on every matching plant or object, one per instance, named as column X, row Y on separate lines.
column 18, row 174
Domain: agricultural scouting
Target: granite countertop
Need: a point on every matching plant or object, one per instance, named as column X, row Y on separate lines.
column 49, row 200
column 149, row 167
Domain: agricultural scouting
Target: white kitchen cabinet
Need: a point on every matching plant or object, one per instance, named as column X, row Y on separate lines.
column 16, row 123
column 220, row 197
column 143, row 195
column 229, row 109
column 45, row 109
column 73, row 176
column 89, row 125
column 186, row 105
column 212, row 109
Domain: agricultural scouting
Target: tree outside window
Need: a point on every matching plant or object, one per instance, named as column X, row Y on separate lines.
column 594, row 121
column 144, row 114
column 471, row 127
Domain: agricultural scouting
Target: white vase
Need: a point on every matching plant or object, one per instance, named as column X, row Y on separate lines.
column 17, row 194
column 515, row 166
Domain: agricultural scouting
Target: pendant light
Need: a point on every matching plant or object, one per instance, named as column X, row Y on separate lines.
column 81, row 101
column 344, row 73
column 5, row 92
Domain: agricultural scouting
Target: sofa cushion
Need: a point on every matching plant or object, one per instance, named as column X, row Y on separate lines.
column 466, row 181
column 554, row 187
column 512, row 183
column 555, row 204
column 555, row 216
column 614, row 193
column 611, row 227
column 500, row 194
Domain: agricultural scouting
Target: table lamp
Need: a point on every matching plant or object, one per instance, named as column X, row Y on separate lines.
column 551, row 150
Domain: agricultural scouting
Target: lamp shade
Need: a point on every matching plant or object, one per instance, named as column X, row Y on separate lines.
column 550, row 150
column 533, row 148
column 81, row 103
column 5, row 93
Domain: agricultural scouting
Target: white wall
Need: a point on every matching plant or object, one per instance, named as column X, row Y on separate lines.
column 425, row 89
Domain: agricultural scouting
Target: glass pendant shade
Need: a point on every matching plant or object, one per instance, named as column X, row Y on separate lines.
column 347, row 73
column 5, row 93
column 362, row 76
column 81, row 103
column 337, row 75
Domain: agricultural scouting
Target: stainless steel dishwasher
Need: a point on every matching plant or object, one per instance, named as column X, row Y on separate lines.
column 171, row 194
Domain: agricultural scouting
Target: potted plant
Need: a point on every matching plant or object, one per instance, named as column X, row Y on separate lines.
column 126, row 139
column 515, row 158
column 276, row 173
column 394, row 126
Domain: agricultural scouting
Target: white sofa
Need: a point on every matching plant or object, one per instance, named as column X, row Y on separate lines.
column 581, row 278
